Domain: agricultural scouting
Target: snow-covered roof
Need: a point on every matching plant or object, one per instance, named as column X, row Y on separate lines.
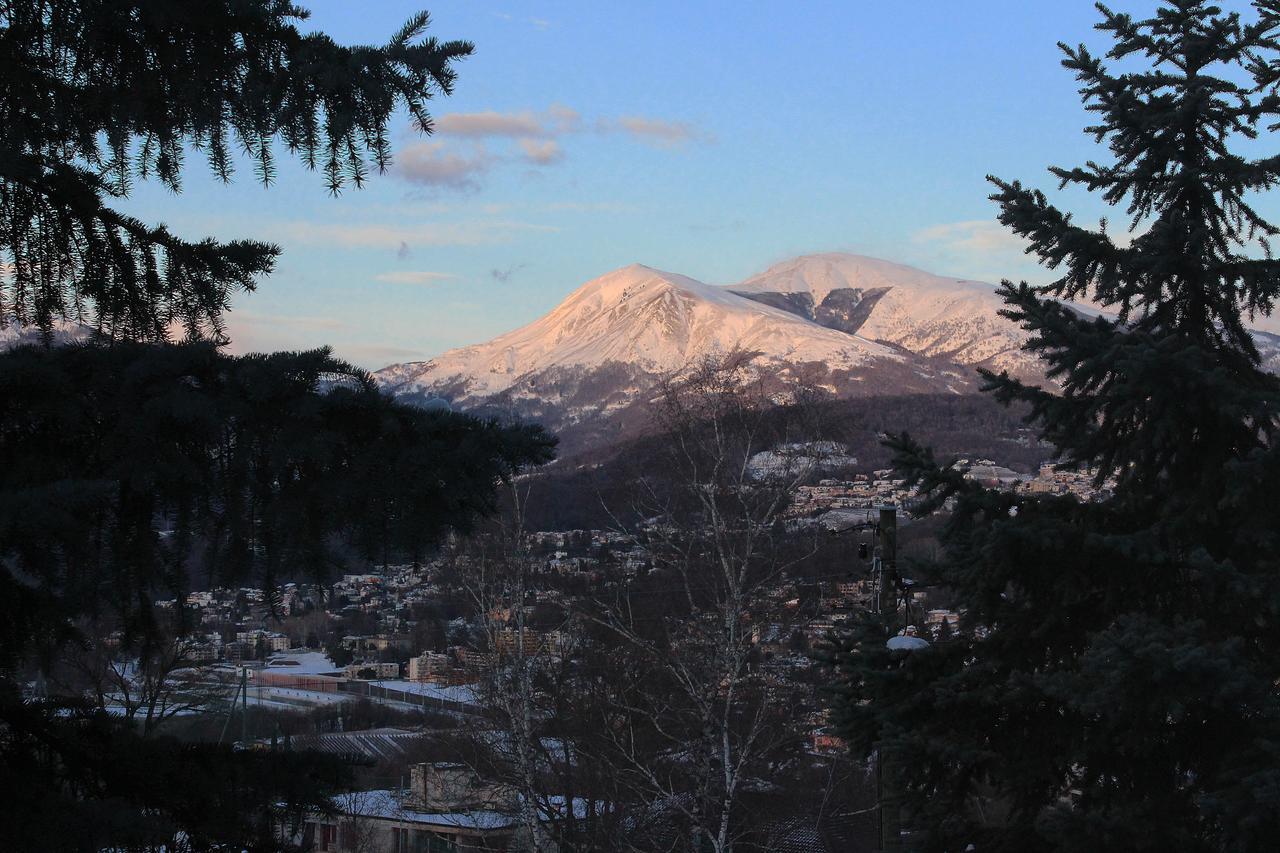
column 301, row 663
column 456, row 693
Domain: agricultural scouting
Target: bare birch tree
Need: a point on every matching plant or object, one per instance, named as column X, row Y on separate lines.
column 508, row 741
column 696, row 723
column 545, row 693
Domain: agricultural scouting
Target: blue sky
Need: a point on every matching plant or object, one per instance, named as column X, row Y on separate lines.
column 710, row 139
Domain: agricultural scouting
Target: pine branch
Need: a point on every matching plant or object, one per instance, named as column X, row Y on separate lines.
column 99, row 93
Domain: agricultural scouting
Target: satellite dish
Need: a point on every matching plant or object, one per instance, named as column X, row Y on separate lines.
column 902, row 643
column 437, row 404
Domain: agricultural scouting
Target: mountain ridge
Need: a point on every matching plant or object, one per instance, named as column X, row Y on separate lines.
column 847, row 325
column 645, row 317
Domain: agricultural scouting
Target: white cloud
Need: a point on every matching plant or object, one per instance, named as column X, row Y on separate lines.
column 556, row 120
column 528, row 136
column 541, row 152
column 488, row 123
column 656, row 132
column 434, row 164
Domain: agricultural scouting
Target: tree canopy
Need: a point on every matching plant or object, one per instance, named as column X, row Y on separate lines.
column 1113, row 687
column 97, row 94
column 135, row 468
column 133, row 472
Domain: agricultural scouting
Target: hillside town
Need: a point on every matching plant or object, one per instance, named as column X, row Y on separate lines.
column 421, row 642
column 402, row 625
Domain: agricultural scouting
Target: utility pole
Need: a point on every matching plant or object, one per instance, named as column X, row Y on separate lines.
column 888, row 563
column 242, row 690
column 887, row 794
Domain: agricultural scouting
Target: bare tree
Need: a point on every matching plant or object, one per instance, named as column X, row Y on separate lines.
column 697, row 722
column 507, row 745
column 545, row 696
column 359, row 831
column 649, row 721
column 147, row 685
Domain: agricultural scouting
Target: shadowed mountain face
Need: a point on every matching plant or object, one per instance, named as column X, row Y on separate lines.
column 844, row 309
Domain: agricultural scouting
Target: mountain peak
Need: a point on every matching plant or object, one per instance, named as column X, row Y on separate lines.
column 848, row 324
column 635, row 283
column 645, row 319
column 819, row 274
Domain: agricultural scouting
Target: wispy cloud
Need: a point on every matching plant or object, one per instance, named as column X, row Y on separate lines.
column 251, row 331
column 414, row 277
column 488, row 123
column 711, row 227
column 295, row 321
column 971, row 236
column 542, row 152
column 398, row 236
column 536, row 23
column 556, row 120
column 588, row 207
column 378, row 354
column 978, row 248
column 527, row 136
column 435, row 164
column 655, row 132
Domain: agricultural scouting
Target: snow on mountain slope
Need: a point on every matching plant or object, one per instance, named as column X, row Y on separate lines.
column 850, row 325
column 653, row 321
column 820, row 274
column 930, row 315
column 12, row 334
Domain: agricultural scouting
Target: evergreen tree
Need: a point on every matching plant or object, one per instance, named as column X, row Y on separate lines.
column 1113, row 686
column 96, row 94
column 131, row 465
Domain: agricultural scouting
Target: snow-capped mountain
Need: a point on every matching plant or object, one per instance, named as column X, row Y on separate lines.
column 948, row 318
column 12, row 334
column 852, row 325
column 653, row 320
column 605, row 345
